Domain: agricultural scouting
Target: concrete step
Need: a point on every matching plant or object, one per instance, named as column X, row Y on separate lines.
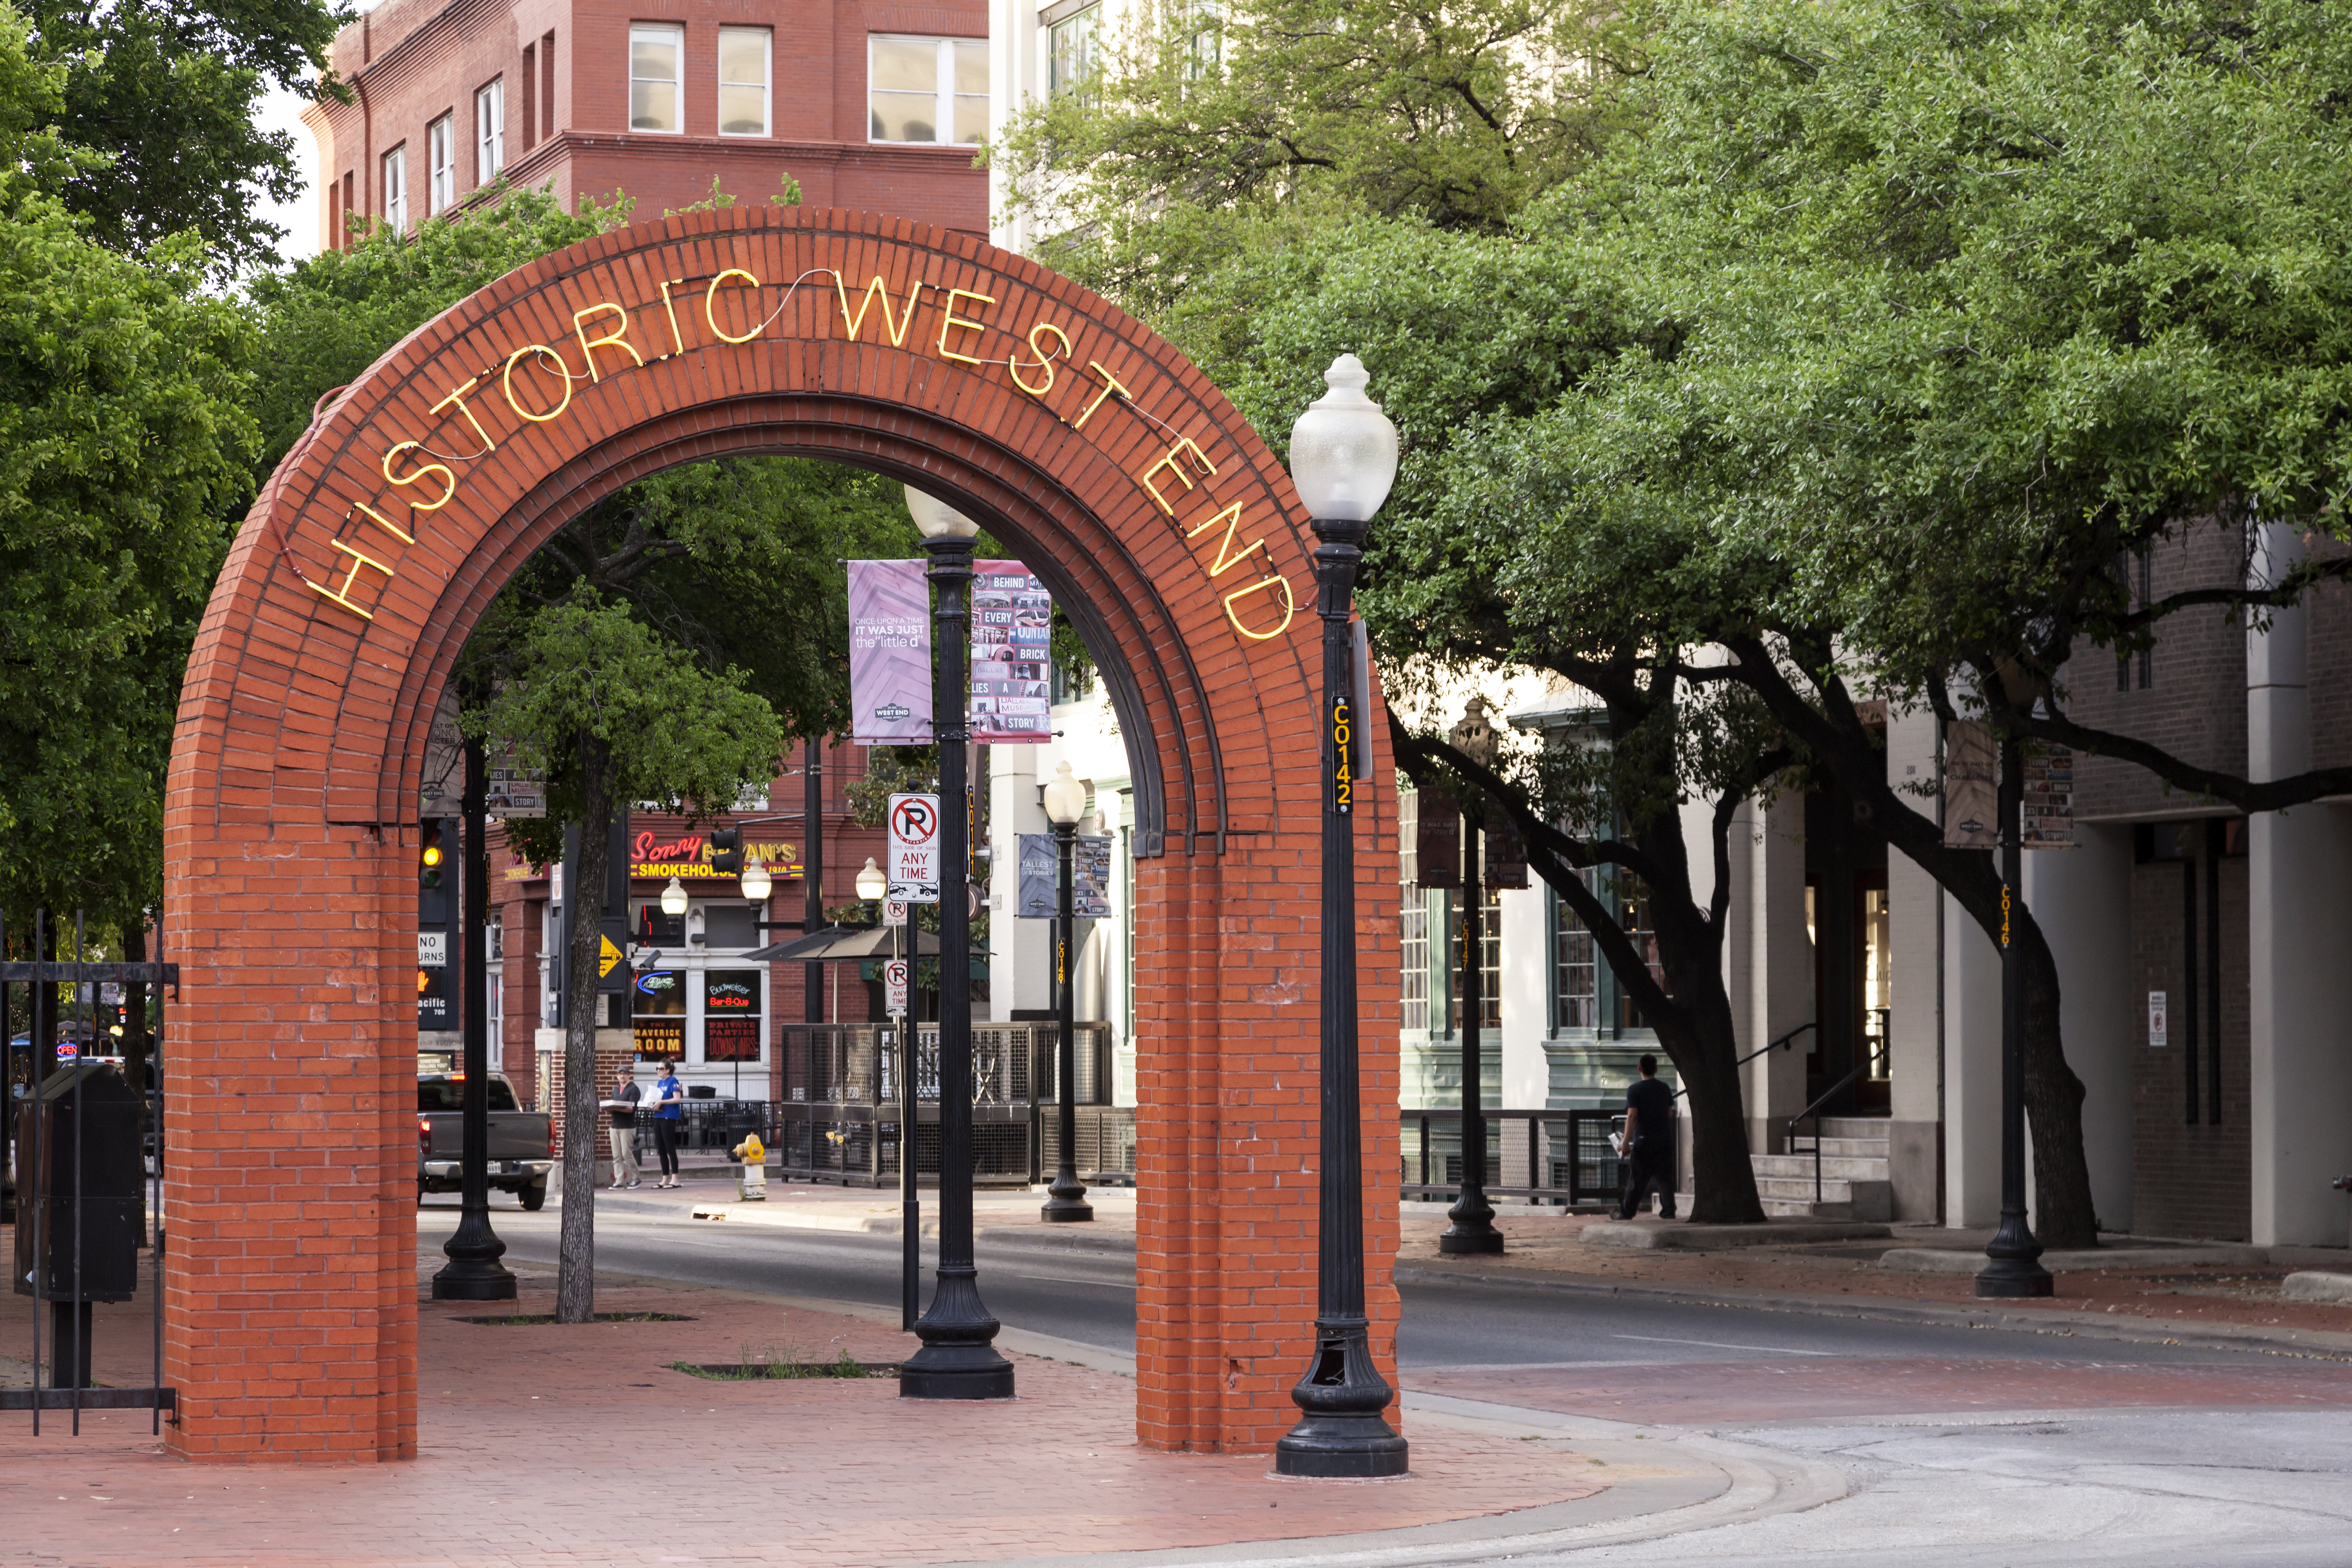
column 1848, row 1198
column 1854, row 1127
column 1868, row 1170
column 1849, row 1148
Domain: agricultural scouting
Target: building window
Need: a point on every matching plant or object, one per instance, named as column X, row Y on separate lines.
column 1576, row 973
column 1490, row 964
column 1071, row 46
column 441, row 160
column 1204, row 22
column 1412, row 912
column 395, row 188
column 490, row 132
column 743, row 62
column 919, row 85
column 654, row 56
column 1634, row 915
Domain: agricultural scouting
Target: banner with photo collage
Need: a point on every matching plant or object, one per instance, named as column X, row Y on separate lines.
column 1011, row 655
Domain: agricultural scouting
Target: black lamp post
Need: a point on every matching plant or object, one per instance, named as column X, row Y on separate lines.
column 1472, row 1231
column 474, row 1272
column 2014, row 1267
column 958, row 1360
column 1343, row 457
column 1065, row 799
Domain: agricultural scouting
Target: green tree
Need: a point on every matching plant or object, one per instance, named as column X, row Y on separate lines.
column 324, row 320
column 123, row 442
column 1193, row 125
column 1955, row 309
column 613, row 713
column 166, row 91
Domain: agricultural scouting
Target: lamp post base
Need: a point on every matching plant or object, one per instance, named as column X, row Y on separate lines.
column 1472, row 1232
column 957, row 1360
column 1066, row 1202
column 474, row 1272
column 2014, row 1264
column 1341, row 1448
column 1341, row 1434
column 2012, row 1278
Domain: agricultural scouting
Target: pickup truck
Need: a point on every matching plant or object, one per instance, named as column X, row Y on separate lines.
column 521, row 1151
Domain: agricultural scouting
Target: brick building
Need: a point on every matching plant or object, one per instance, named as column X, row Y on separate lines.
column 872, row 106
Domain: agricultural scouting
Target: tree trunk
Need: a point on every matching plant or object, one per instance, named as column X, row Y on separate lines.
column 2063, row 1212
column 584, row 907
column 1705, row 1048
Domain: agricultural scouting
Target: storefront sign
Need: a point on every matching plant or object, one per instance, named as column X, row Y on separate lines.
column 631, row 323
column 687, row 856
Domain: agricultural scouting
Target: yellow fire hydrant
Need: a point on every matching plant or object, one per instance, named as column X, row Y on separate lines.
column 752, row 1176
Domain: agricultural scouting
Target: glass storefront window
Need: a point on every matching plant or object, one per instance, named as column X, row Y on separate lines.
column 730, row 1015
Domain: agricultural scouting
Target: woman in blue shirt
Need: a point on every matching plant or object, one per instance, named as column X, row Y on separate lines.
column 669, row 1110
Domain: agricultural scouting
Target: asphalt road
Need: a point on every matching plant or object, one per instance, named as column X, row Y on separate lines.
column 1090, row 1297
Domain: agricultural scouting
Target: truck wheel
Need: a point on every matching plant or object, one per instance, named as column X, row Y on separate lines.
column 534, row 1198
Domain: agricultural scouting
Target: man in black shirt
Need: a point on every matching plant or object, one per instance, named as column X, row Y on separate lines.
column 1649, row 1143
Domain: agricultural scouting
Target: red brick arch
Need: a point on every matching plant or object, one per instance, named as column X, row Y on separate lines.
column 289, row 895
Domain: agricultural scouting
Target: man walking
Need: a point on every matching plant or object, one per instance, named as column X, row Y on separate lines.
column 1649, row 1143
column 624, row 1130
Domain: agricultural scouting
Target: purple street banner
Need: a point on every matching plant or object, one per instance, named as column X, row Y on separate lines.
column 889, row 653
column 1011, row 655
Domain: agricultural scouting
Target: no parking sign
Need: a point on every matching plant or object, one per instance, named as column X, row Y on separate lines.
column 894, row 981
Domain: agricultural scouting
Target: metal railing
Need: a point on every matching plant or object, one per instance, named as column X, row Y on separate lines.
column 1570, row 1147
column 1869, row 1060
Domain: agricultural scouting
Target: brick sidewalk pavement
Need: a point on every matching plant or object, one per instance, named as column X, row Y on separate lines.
column 1546, row 1246
column 577, row 1445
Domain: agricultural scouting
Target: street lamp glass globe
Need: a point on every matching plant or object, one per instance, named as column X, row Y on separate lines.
column 934, row 519
column 673, row 899
column 757, row 884
column 872, row 885
column 1343, row 450
column 1065, row 798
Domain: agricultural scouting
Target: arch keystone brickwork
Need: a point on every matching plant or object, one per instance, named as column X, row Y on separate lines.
column 1083, row 441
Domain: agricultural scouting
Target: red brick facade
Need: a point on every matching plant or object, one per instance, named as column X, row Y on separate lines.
column 292, row 1318
column 562, row 70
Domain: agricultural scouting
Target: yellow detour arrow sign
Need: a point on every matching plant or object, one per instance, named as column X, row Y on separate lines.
column 611, row 956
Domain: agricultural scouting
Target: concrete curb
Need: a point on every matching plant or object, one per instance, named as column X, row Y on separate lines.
column 1951, row 1261
column 1682, row 1235
column 2317, row 1285
column 2318, row 1344
column 1044, row 1238
column 1708, row 1482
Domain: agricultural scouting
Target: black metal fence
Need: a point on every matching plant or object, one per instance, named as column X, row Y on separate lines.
column 83, row 1150
column 1564, row 1156
column 841, row 1118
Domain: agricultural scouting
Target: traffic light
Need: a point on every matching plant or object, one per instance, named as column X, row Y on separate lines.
column 727, row 851
column 430, row 856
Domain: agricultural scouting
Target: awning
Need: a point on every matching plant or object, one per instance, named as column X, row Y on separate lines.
column 843, row 944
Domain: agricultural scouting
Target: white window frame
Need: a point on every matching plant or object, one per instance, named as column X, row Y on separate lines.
column 391, row 184
column 767, row 81
column 676, row 33
column 441, row 164
column 945, row 94
column 489, row 130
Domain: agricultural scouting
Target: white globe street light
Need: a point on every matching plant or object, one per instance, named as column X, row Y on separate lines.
column 872, row 885
column 1065, row 798
column 934, row 519
column 1343, row 457
column 1343, row 450
column 756, row 883
column 673, row 899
